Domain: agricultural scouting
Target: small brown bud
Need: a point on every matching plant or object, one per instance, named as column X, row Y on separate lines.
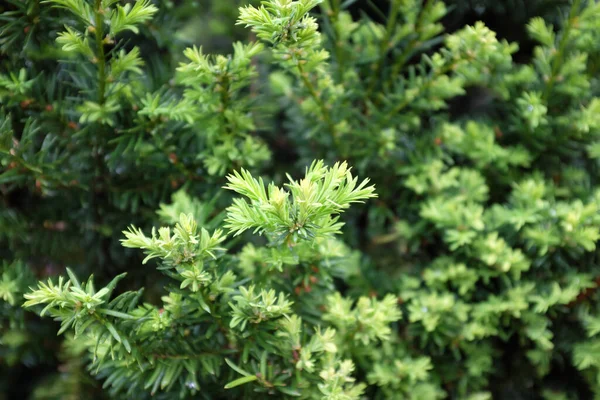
column 556, row 178
column 498, row 132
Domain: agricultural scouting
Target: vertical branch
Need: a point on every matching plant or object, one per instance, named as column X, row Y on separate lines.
column 324, row 110
column 405, row 56
column 101, row 175
column 384, row 46
column 99, row 30
column 333, row 15
column 562, row 46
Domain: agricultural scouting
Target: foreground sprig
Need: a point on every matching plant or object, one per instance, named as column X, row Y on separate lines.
column 214, row 322
column 308, row 209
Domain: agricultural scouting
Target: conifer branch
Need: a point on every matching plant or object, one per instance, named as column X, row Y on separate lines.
column 322, row 106
column 562, row 47
column 407, row 52
column 384, row 46
column 100, row 56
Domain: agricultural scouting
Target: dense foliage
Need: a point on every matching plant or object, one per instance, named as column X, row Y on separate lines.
column 466, row 267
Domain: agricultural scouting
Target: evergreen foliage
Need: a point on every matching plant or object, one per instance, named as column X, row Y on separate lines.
column 470, row 271
column 211, row 327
